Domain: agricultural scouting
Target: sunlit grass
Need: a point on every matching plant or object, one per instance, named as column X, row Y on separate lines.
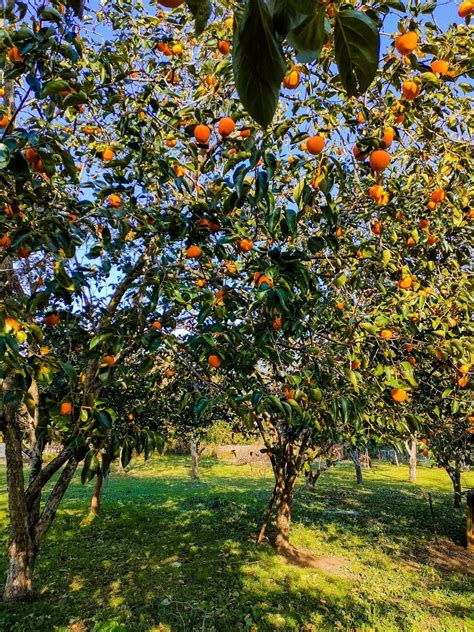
column 169, row 553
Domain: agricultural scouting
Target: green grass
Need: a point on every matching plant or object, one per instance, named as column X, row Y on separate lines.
column 168, row 553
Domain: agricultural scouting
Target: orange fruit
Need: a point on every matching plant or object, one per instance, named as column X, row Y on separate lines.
column 277, row 323
column 410, row 90
column 388, row 136
column 65, row 408
column 386, row 334
column 245, row 245
column 398, row 395
column 5, row 241
column 170, row 372
column 108, row 154
column 201, row 283
column 31, row 155
column 412, row 360
column 357, row 153
column 431, row 239
column 405, row 283
column 409, row 347
column 440, row 67
column 438, row 195
column 214, row 361
column 465, row 9
column 179, row 171
column 424, row 223
column 292, row 80
column 12, row 323
column 226, row 126
column 114, row 200
column 406, row 43
column 177, row 49
column 262, row 278
column 23, row 252
column 14, row 55
column 156, row 324
column 193, row 252
column 223, row 47
column 315, row 145
column 245, row 132
column 340, row 305
column 109, row 360
column 410, row 242
column 431, row 205
column 464, row 369
column 8, row 210
column 171, row 142
column 376, row 192
column 377, row 227
column 210, row 80
column 4, row 120
column 355, row 364
column 52, row 319
column 360, row 118
column 379, row 159
column 339, row 232
column 462, row 381
column 202, row 134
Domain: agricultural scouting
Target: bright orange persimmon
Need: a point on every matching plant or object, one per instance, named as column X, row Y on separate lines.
column 214, row 361
column 315, row 145
column 406, row 43
column 379, row 159
column 202, row 134
column 226, row 126
column 193, row 252
column 292, row 80
column 398, row 395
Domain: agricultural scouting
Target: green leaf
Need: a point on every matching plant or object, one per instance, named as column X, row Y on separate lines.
column 4, row 156
column 308, row 38
column 62, row 277
column 54, row 87
column 126, row 454
column 259, row 65
column 357, row 46
column 201, row 10
column 97, row 340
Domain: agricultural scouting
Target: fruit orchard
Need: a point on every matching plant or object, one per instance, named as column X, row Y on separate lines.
column 261, row 211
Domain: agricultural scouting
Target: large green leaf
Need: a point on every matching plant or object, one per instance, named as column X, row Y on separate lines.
column 259, row 65
column 357, row 46
column 309, row 36
column 4, row 155
column 201, row 10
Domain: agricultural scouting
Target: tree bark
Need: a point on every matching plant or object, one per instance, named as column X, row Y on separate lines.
column 195, row 458
column 96, row 496
column 309, row 479
column 283, row 518
column 358, row 468
column 410, row 446
column 455, row 476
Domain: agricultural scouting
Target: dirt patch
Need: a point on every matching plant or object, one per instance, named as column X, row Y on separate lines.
column 447, row 556
column 330, row 564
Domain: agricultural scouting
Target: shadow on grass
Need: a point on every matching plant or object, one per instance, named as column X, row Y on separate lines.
column 169, row 551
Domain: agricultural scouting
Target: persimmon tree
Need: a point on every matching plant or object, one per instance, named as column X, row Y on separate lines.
column 136, row 189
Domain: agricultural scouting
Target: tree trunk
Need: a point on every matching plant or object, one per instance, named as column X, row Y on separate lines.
column 283, row 519
column 410, row 446
column 96, row 496
column 309, row 479
column 358, row 468
column 195, row 458
column 455, row 476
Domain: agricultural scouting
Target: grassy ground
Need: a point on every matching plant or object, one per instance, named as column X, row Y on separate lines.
column 171, row 554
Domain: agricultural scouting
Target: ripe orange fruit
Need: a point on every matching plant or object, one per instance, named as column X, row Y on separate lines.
column 223, row 47
column 315, row 145
column 15, row 56
column 464, row 369
column 277, row 323
column 65, row 408
column 379, row 159
column 440, row 67
column 412, row 360
column 262, row 278
column 202, row 134
column 4, row 120
column 410, row 242
column 210, row 80
column 405, row 283
column 109, row 360
column 357, row 153
column 23, row 252
column 462, row 381
column 31, row 155
column 377, row 227
column 51, row 320
column 339, row 232
column 340, row 305
column 438, row 195
column 201, row 283
column 398, row 395
column 177, row 49
column 355, row 364
column 360, row 118
column 5, row 241
column 156, row 324
column 226, row 126
column 376, row 192
column 8, row 210
column 431, row 205
column 406, row 43
column 424, row 223
column 214, row 361
column 465, row 9
column 245, row 245
column 170, row 372
column 431, row 239
column 410, row 90
column 171, row 4
column 179, row 171
column 386, row 334
column 171, row 142
column 245, row 132
column 114, row 200
column 409, row 347
column 12, row 323
column 388, row 136
column 292, row 80
column 108, row 154
column 193, row 252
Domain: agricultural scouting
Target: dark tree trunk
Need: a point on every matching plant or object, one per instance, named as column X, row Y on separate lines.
column 21, row 548
column 411, row 448
column 455, row 476
column 96, row 496
column 309, row 478
column 358, row 468
column 195, row 458
column 283, row 519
